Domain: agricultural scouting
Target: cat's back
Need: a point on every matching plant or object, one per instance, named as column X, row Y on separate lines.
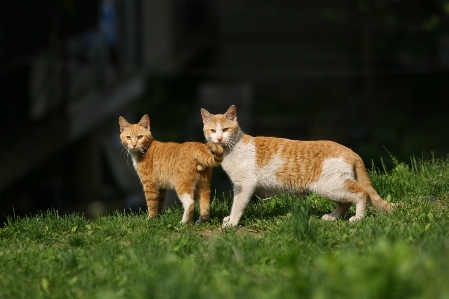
column 268, row 147
column 263, row 150
column 168, row 162
column 296, row 163
column 173, row 151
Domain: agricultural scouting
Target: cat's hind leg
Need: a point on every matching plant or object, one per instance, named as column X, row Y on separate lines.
column 344, row 193
column 359, row 197
column 202, row 193
column 186, row 197
column 188, row 204
column 342, row 207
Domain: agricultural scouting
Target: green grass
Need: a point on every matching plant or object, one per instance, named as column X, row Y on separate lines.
column 281, row 249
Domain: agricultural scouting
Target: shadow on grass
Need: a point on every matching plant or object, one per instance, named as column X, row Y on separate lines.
column 277, row 206
column 282, row 205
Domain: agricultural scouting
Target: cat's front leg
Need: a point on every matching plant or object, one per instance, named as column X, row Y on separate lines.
column 242, row 196
column 152, row 198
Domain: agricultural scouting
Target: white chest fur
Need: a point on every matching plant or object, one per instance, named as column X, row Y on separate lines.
column 134, row 156
column 266, row 175
column 240, row 163
column 241, row 166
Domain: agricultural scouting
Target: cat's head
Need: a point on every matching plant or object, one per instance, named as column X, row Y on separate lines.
column 221, row 128
column 135, row 137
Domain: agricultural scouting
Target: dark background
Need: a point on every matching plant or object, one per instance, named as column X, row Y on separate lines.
column 372, row 75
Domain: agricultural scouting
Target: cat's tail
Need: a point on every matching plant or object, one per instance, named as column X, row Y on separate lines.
column 211, row 157
column 374, row 198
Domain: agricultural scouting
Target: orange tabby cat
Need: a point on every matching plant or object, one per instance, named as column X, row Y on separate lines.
column 324, row 167
column 184, row 167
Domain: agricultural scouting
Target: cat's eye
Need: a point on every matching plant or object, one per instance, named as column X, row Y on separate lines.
column 128, row 137
column 212, row 130
column 225, row 129
column 140, row 137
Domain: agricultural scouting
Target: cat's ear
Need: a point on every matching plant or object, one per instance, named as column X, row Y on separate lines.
column 123, row 123
column 145, row 122
column 231, row 114
column 207, row 117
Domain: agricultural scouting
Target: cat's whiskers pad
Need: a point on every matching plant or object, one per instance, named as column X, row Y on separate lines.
column 125, row 153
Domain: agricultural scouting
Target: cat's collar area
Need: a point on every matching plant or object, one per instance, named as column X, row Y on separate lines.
column 231, row 143
column 137, row 154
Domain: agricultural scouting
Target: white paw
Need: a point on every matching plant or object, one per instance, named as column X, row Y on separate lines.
column 394, row 205
column 227, row 222
column 354, row 218
column 328, row 217
column 184, row 221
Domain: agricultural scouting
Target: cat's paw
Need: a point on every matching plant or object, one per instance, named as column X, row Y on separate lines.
column 200, row 220
column 328, row 217
column 185, row 222
column 394, row 206
column 151, row 217
column 214, row 148
column 218, row 150
column 227, row 222
column 355, row 218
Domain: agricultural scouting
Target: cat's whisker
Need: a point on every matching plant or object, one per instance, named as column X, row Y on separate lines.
column 124, row 152
column 127, row 156
column 230, row 143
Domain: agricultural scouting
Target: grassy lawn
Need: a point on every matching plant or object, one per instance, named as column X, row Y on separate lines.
column 281, row 249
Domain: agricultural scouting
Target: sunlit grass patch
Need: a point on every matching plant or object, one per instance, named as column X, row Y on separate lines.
column 281, row 248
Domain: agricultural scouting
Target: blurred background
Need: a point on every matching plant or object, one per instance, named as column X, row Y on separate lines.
column 370, row 74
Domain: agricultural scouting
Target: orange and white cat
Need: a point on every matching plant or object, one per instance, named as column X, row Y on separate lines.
column 324, row 167
column 184, row 167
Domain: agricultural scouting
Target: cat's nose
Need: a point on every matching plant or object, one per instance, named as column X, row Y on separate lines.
column 220, row 138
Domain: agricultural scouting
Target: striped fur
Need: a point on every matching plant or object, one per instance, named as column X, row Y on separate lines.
column 324, row 167
column 184, row 167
